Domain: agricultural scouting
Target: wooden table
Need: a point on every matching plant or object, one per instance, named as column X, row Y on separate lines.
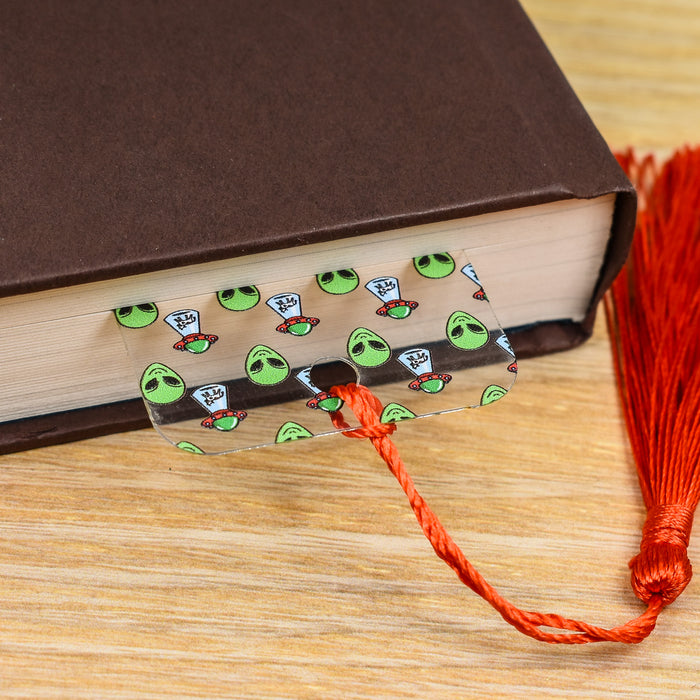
column 130, row 569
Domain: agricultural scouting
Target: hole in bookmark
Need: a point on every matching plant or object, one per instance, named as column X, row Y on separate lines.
column 252, row 364
column 326, row 372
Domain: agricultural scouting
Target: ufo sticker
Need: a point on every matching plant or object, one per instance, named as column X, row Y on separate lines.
column 420, row 363
column 288, row 306
column 214, row 399
column 503, row 342
column 186, row 323
column 322, row 399
column 479, row 294
column 386, row 289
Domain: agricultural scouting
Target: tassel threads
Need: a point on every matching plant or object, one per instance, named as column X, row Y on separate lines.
column 652, row 311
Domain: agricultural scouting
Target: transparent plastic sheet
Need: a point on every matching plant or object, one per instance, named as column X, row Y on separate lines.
column 252, row 366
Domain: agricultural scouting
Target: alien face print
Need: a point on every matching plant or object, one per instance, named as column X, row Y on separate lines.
column 338, row 281
column 137, row 316
column 239, row 299
column 435, row 266
column 291, row 431
column 395, row 412
column 367, row 349
column 465, row 331
column 266, row 366
column 161, row 385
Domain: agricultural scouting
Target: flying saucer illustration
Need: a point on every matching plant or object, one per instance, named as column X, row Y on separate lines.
column 504, row 343
column 322, row 399
column 186, row 323
column 468, row 270
column 419, row 362
column 213, row 398
column 386, row 289
column 288, row 306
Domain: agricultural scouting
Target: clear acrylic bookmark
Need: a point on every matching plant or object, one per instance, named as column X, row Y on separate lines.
column 254, row 365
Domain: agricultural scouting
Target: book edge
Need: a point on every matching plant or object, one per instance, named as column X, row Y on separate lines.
column 124, row 416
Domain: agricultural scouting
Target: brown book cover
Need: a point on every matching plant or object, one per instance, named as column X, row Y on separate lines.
column 141, row 136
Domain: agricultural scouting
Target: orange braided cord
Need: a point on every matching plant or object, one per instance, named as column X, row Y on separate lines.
column 368, row 408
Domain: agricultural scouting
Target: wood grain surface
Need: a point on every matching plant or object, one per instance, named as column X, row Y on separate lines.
column 132, row 570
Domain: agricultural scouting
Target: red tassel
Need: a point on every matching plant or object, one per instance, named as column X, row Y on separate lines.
column 652, row 311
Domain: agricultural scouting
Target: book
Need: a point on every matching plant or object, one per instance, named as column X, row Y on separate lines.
column 156, row 150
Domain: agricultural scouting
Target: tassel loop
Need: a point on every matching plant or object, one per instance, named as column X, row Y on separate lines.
column 368, row 409
column 662, row 567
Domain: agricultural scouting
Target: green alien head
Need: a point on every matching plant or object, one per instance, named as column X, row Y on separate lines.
column 138, row 316
column 434, row 266
column 466, row 332
column 292, row 431
column 338, row 281
column 368, row 349
column 266, row 366
column 161, row 385
column 492, row 393
column 395, row 412
column 240, row 299
column 189, row 447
